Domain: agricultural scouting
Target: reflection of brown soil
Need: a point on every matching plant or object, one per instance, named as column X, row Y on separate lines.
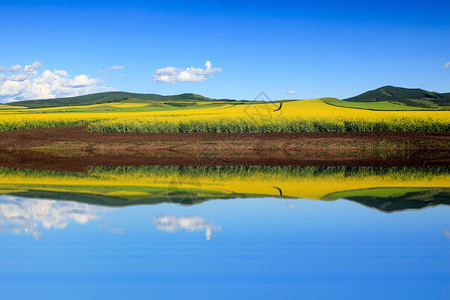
column 74, row 149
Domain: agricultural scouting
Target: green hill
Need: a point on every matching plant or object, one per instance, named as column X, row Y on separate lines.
column 109, row 97
column 413, row 97
column 387, row 94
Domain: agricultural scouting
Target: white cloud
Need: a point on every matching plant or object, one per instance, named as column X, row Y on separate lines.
column 446, row 66
column 112, row 68
column 81, row 81
column 12, row 69
column 61, row 73
column 115, row 68
column 172, row 74
column 291, row 92
column 27, row 84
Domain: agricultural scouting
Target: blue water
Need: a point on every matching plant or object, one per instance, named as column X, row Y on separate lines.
column 222, row 249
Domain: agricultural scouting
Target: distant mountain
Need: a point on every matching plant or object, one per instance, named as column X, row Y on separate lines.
column 108, row 97
column 414, row 97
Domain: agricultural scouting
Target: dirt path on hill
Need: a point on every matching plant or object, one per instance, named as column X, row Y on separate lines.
column 75, row 149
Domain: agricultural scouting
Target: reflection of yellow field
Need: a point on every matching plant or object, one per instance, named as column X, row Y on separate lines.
column 140, row 182
column 306, row 115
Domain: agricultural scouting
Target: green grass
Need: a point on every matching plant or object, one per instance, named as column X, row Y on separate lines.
column 105, row 108
column 108, row 97
column 8, row 107
column 383, row 105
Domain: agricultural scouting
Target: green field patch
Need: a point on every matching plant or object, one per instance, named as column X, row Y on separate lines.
column 10, row 107
column 124, row 106
column 382, row 106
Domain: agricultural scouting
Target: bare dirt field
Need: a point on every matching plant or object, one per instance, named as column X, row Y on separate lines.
column 75, row 149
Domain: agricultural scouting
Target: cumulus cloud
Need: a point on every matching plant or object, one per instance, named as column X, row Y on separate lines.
column 447, row 65
column 15, row 68
column 291, row 92
column 115, row 68
column 27, row 84
column 172, row 74
column 190, row 224
column 112, row 68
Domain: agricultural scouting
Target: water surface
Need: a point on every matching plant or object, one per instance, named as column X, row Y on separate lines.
column 210, row 233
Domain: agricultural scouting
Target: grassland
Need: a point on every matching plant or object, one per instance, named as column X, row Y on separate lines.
column 382, row 105
column 134, row 115
column 11, row 107
column 114, row 97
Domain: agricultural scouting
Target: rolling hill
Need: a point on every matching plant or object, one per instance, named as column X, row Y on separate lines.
column 413, row 97
column 110, row 97
column 387, row 98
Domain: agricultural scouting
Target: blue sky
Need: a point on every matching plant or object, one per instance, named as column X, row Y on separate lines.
column 319, row 49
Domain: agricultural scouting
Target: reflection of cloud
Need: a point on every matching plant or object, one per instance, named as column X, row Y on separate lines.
column 190, row 224
column 106, row 225
column 447, row 233
column 19, row 215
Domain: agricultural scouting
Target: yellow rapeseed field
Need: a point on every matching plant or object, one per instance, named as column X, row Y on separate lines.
column 307, row 115
column 292, row 116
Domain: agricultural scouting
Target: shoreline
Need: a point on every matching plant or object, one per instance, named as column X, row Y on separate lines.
column 42, row 136
column 75, row 149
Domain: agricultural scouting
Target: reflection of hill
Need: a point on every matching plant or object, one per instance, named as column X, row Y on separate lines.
column 390, row 200
column 183, row 198
column 122, row 186
column 410, row 199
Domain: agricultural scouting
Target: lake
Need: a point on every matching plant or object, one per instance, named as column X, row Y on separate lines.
column 225, row 232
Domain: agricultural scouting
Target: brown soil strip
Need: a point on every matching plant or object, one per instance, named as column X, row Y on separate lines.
column 75, row 149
